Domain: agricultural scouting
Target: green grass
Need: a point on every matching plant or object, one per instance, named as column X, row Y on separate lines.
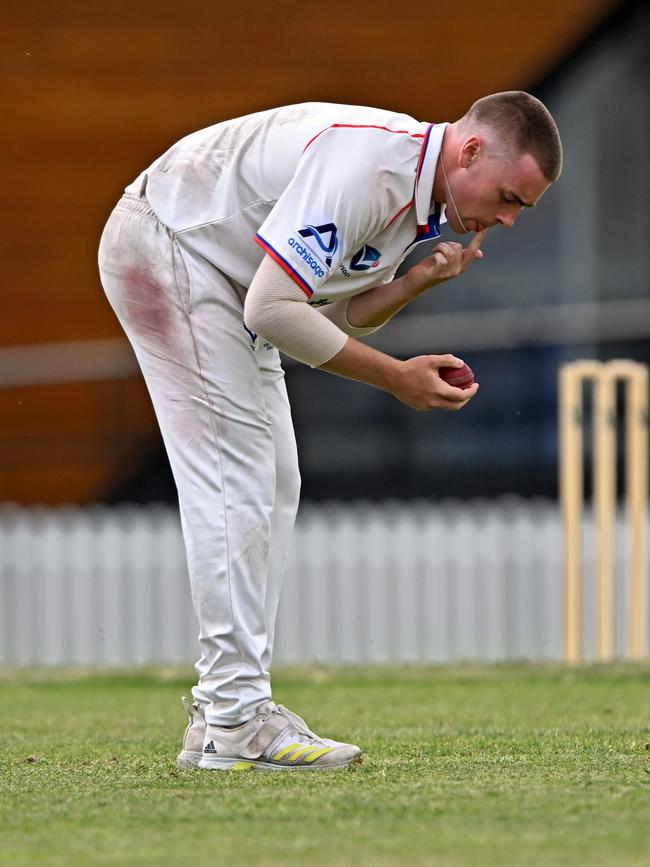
column 504, row 765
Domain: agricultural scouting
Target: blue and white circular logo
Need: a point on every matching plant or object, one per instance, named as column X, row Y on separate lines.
column 367, row 257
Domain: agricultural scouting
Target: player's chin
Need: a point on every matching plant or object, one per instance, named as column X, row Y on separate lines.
column 457, row 227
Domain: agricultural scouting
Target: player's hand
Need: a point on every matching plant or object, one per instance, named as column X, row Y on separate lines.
column 419, row 385
column 447, row 260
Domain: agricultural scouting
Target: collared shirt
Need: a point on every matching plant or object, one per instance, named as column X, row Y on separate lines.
column 338, row 195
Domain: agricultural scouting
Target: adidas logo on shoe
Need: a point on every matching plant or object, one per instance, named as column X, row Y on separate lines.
column 210, row 748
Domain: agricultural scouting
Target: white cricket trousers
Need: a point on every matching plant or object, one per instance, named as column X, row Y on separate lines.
column 222, row 407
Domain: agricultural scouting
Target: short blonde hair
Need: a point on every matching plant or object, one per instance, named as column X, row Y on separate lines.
column 526, row 122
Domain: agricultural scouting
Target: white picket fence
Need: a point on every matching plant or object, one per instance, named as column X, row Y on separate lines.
column 366, row 583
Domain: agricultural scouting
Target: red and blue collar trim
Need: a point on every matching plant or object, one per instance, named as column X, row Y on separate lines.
column 424, row 177
column 432, row 228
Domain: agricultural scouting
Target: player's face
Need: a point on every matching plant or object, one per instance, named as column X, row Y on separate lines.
column 491, row 190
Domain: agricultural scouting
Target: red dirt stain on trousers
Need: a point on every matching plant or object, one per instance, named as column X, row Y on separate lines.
column 147, row 308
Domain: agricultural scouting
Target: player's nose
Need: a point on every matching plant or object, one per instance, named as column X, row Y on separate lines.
column 507, row 216
column 506, row 220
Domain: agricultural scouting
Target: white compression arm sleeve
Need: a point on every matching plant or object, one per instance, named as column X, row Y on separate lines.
column 277, row 310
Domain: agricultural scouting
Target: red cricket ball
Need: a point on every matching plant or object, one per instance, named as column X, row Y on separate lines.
column 459, row 377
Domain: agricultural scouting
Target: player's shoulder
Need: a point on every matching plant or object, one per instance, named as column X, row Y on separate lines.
column 360, row 120
column 355, row 134
column 335, row 127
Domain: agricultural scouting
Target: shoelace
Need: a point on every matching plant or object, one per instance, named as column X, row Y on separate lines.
column 298, row 723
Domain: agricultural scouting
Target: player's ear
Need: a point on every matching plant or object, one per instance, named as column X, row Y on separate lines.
column 469, row 150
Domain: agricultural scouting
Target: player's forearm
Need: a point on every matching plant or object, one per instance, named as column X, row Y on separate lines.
column 416, row 382
column 377, row 305
column 365, row 364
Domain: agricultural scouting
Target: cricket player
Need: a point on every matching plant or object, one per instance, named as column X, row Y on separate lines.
column 282, row 231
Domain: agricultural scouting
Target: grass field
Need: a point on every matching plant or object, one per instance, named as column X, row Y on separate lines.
column 505, row 765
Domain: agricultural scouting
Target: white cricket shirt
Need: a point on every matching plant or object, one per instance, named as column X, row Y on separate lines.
column 338, row 195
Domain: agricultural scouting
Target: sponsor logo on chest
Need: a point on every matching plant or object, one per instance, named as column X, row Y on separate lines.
column 363, row 260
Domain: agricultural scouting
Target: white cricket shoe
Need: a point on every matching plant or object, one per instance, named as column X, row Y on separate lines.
column 275, row 739
column 192, row 751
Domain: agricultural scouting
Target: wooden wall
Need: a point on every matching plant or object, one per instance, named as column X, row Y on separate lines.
column 98, row 89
